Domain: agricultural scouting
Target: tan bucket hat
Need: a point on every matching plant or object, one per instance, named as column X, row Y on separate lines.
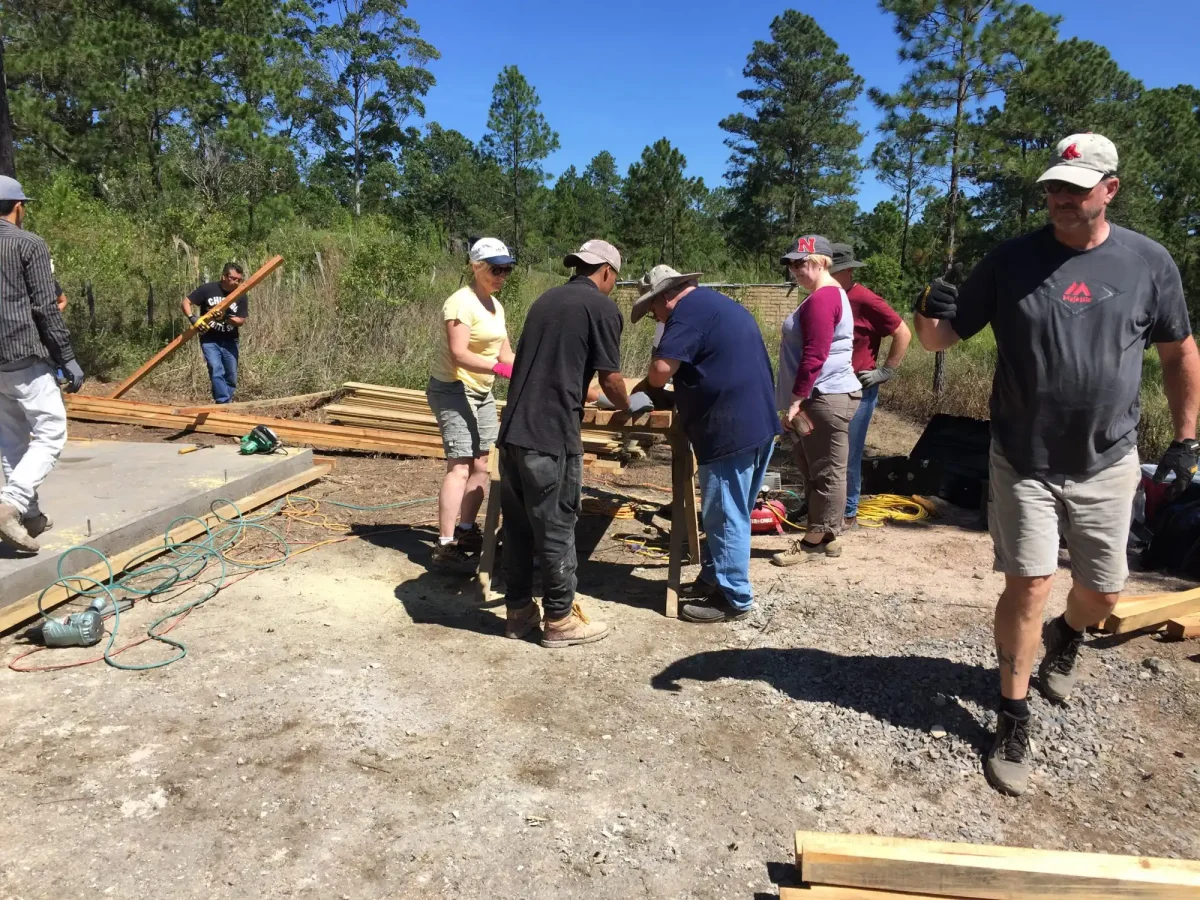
column 654, row 282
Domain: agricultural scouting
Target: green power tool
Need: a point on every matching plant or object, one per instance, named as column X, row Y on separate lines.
column 261, row 440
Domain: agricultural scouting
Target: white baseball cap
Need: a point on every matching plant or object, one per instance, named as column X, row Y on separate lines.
column 491, row 250
column 1082, row 160
column 593, row 253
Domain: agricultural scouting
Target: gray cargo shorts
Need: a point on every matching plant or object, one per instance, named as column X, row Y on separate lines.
column 466, row 418
column 1026, row 515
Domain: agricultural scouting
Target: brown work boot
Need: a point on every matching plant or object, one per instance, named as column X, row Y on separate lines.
column 13, row 532
column 803, row 551
column 850, row 523
column 38, row 523
column 522, row 621
column 469, row 540
column 450, row 558
column 571, row 630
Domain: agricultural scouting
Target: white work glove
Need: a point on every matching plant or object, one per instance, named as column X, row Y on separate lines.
column 872, row 377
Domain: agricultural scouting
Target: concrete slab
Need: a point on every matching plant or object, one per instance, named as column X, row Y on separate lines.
column 129, row 493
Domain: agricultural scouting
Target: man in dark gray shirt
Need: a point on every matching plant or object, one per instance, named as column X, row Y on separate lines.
column 1073, row 306
column 33, row 342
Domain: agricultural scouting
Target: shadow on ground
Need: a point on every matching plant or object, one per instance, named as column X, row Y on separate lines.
column 894, row 689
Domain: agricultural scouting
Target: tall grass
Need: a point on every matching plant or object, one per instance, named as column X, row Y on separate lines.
column 969, row 369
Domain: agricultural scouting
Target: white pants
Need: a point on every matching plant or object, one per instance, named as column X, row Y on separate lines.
column 33, row 432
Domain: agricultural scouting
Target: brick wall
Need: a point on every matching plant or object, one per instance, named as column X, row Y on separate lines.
column 771, row 303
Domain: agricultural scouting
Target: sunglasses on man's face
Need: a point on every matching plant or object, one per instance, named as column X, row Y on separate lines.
column 501, row 271
column 1062, row 187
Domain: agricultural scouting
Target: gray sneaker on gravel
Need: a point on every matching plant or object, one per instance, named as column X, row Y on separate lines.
column 1007, row 766
column 13, row 532
column 1058, row 672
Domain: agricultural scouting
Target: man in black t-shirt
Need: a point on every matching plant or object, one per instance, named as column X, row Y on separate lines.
column 1072, row 306
column 219, row 340
column 571, row 333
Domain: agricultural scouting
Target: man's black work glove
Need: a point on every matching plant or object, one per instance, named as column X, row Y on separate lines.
column 939, row 300
column 1180, row 458
column 74, row 376
column 639, row 403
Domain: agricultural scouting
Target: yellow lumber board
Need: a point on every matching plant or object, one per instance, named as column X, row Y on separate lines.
column 1134, row 613
column 987, row 872
column 27, row 607
column 1184, row 627
column 831, row 892
column 308, row 401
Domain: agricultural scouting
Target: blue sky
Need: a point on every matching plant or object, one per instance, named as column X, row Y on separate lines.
column 617, row 76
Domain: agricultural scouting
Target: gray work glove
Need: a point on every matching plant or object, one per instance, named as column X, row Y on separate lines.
column 602, row 402
column 872, row 377
column 639, row 403
column 74, row 375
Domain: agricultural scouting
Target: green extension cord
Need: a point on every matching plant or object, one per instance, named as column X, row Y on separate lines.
column 187, row 560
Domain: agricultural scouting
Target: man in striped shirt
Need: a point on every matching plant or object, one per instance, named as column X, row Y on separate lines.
column 33, row 342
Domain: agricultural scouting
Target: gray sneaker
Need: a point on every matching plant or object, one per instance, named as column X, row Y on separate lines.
column 13, row 532
column 1007, row 766
column 38, row 523
column 1058, row 672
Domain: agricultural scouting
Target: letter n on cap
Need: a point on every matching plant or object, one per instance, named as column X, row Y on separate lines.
column 806, row 245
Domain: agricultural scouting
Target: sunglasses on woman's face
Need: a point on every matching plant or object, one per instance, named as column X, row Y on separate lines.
column 501, row 271
column 1060, row 187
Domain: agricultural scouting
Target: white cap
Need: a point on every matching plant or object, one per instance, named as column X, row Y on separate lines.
column 491, row 250
column 593, row 253
column 1082, row 160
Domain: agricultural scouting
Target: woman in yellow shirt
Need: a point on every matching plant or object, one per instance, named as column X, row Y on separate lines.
column 474, row 349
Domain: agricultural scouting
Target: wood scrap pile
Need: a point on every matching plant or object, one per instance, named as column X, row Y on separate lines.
column 869, row 867
column 1178, row 610
column 290, row 431
column 400, row 409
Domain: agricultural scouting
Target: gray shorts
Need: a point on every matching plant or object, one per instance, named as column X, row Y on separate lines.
column 467, row 419
column 1026, row 515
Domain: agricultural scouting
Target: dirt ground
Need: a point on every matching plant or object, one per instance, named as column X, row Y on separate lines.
column 351, row 725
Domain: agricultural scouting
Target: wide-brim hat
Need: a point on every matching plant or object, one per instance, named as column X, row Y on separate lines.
column 657, row 280
column 843, row 259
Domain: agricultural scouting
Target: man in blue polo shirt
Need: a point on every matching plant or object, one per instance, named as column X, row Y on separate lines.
column 725, row 400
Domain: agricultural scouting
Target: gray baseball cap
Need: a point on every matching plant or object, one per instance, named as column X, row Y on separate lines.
column 593, row 253
column 654, row 282
column 843, row 258
column 809, row 245
column 10, row 189
column 1082, row 160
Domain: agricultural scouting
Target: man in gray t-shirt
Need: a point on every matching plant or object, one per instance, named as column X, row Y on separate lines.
column 1073, row 307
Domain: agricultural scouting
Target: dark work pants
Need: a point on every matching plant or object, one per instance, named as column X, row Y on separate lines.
column 540, row 498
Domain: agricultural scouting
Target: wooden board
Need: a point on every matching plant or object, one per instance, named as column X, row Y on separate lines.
column 988, row 872
column 253, row 281
column 491, row 520
column 303, row 401
column 27, row 608
column 831, row 892
column 1134, row 613
column 1185, row 627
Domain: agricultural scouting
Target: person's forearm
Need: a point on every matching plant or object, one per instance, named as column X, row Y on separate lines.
column 239, row 321
column 187, row 307
column 613, row 385
column 473, row 362
column 1181, row 381
column 935, row 334
column 660, row 373
column 901, row 338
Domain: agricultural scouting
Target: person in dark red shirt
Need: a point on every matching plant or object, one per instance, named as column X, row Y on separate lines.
column 873, row 321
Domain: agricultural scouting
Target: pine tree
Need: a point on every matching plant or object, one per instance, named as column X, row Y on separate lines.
column 660, row 207
column 518, row 139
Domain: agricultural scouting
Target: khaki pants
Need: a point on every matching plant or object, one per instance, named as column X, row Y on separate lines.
column 822, row 456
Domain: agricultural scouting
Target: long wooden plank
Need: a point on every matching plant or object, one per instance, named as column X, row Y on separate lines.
column 253, row 281
column 27, row 608
column 1184, row 627
column 988, row 872
column 830, row 892
column 680, row 482
column 305, row 401
column 1134, row 613
column 491, row 520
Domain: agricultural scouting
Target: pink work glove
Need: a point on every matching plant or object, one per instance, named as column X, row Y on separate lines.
column 504, row 370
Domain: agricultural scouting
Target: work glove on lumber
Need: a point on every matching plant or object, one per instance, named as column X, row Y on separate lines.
column 872, row 377
column 939, row 300
column 1180, row 458
column 639, row 403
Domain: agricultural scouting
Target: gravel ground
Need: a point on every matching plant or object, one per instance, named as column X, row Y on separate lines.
column 352, row 725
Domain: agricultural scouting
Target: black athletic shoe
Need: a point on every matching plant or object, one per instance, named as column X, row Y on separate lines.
column 1007, row 766
column 1058, row 672
column 712, row 610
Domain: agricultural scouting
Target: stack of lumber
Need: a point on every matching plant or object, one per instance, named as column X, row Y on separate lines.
column 291, row 431
column 869, row 867
column 399, row 409
column 1178, row 610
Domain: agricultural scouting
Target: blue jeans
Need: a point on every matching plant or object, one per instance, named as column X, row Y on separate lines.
column 728, row 489
column 858, row 441
column 221, row 354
